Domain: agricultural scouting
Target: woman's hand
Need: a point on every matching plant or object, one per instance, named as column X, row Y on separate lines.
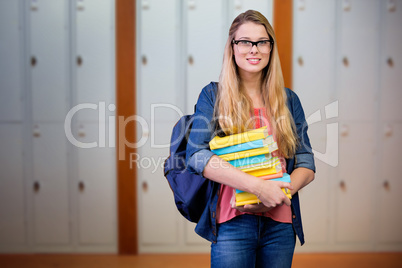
column 270, row 195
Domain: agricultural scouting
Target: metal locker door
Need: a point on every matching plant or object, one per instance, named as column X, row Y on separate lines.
column 357, row 83
column 357, row 60
column 50, row 187
column 158, row 83
column 265, row 7
column 158, row 216
column 159, row 48
column 96, row 190
column 390, row 60
column 48, row 25
column 12, row 194
column 206, row 40
column 94, row 66
column 389, row 185
column 313, row 52
column 354, row 191
column 11, row 71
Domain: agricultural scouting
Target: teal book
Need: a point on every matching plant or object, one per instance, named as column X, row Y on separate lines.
column 245, row 146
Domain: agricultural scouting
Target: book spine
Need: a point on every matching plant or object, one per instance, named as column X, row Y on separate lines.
column 239, row 147
column 251, row 160
column 268, row 164
column 243, row 154
column 256, row 134
column 266, row 171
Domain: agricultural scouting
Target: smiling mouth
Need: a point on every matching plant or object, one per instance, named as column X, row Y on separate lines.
column 254, row 60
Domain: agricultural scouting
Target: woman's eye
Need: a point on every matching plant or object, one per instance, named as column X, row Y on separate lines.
column 264, row 43
column 244, row 43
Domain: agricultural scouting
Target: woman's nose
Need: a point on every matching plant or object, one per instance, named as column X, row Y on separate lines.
column 254, row 49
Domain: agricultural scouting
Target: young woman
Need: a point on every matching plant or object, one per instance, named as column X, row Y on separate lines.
column 251, row 94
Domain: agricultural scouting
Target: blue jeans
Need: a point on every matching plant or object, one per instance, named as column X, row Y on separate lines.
column 253, row 241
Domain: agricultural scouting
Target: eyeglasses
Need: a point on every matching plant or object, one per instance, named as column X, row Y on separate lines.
column 245, row 46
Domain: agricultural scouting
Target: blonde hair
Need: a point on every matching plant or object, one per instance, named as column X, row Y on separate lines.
column 233, row 113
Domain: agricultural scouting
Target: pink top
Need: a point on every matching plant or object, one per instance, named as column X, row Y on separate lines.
column 225, row 212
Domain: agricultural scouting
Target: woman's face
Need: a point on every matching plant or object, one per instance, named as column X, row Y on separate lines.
column 253, row 62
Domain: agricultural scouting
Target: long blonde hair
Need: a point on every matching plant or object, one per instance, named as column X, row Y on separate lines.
column 234, row 106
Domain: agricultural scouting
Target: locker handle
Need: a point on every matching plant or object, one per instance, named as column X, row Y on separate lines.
column 344, row 130
column 36, row 186
column 345, row 61
column 390, row 62
column 300, row 60
column 144, row 60
column 81, row 186
column 33, row 61
column 386, row 185
column 79, row 60
column 190, row 60
column 342, row 185
column 145, row 186
column 36, row 132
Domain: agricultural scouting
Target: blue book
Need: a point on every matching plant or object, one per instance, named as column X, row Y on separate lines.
column 250, row 160
column 246, row 146
column 285, row 178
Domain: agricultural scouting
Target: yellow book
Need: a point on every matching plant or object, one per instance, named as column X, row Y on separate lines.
column 249, row 153
column 266, row 171
column 255, row 134
column 245, row 198
column 263, row 165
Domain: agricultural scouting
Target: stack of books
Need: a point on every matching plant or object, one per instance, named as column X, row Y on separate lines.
column 251, row 152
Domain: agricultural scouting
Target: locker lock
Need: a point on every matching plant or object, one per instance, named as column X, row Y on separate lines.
column 36, row 186
column 345, row 61
column 300, row 60
column 33, row 61
column 81, row 186
column 144, row 60
column 386, row 185
column 342, row 185
column 391, row 5
column 79, row 60
column 390, row 62
column 36, row 132
column 190, row 60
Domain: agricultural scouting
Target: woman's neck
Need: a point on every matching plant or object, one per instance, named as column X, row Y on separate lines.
column 251, row 84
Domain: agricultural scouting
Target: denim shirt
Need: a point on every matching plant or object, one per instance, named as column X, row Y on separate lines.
column 198, row 155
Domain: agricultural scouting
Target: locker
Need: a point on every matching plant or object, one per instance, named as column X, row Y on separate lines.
column 158, row 47
column 93, row 58
column 391, row 61
column 49, row 59
column 240, row 6
column 205, row 41
column 357, row 59
column 314, row 198
column 11, row 74
column 50, row 194
column 158, row 214
column 95, row 187
column 354, row 193
column 313, row 52
column 12, row 207
column 192, row 238
column 389, row 185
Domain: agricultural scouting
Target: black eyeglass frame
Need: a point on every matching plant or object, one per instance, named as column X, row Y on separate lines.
column 236, row 42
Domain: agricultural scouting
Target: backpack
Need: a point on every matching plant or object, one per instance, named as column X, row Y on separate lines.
column 191, row 191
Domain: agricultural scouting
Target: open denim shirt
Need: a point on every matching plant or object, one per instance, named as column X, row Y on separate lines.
column 198, row 155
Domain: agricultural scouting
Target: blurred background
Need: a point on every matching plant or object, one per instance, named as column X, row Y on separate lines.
column 58, row 114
